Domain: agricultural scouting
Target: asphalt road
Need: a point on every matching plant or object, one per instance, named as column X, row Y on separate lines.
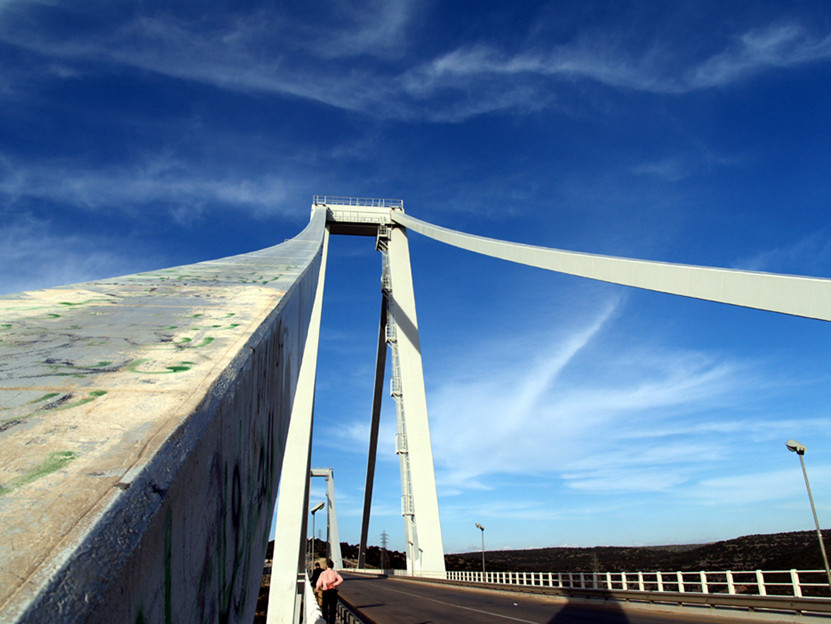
column 395, row 601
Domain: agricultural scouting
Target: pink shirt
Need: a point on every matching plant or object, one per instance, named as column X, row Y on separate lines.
column 329, row 579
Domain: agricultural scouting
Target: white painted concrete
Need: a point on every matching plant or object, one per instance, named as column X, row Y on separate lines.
column 430, row 547
column 331, row 515
column 142, row 430
column 285, row 595
column 809, row 297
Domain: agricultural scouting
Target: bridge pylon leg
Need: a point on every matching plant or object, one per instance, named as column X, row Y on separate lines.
column 286, row 592
column 332, row 533
column 380, row 367
column 425, row 549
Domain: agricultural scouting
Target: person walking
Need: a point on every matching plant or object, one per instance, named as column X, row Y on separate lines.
column 328, row 581
column 316, row 575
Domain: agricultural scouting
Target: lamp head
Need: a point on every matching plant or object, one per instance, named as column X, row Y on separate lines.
column 317, row 507
column 796, row 447
column 479, row 526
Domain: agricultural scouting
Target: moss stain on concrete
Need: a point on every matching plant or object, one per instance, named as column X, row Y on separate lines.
column 55, row 461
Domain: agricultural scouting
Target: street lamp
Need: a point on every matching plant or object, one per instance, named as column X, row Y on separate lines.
column 481, row 528
column 800, row 449
column 313, row 511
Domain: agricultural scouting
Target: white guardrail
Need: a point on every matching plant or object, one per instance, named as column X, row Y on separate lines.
column 311, row 611
column 796, row 583
column 801, row 592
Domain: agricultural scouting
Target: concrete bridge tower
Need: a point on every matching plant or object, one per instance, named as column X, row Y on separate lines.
column 398, row 331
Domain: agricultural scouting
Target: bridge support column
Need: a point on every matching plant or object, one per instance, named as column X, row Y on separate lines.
column 378, row 393
column 333, row 535
column 425, row 550
column 288, row 567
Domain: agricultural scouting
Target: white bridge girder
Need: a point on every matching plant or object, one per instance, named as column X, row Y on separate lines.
column 795, row 295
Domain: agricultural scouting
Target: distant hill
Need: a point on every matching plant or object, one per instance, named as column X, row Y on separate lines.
column 771, row 551
column 775, row 551
column 392, row 559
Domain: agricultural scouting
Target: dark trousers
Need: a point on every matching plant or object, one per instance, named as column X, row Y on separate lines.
column 330, row 605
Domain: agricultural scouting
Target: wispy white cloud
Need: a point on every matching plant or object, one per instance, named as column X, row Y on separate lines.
column 684, row 165
column 672, row 168
column 502, row 404
column 607, row 61
column 38, row 255
column 181, row 186
column 777, row 46
column 508, row 510
column 377, row 28
column 747, row 488
column 620, row 480
column 810, row 251
column 642, row 420
column 257, row 52
column 268, row 52
column 354, row 437
column 534, row 76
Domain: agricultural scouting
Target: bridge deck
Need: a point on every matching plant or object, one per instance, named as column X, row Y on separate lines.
column 405, row 601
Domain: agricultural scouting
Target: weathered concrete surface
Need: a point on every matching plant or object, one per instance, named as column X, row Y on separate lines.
column 142, row 422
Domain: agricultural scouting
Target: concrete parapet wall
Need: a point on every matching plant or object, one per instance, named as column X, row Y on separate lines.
column 142, row 430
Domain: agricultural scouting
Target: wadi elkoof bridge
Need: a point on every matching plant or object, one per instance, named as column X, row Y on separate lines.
column 146, row 421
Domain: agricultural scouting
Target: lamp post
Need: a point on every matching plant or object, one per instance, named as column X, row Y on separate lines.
column 481, row 528
column 800, row 449
column 313, row 511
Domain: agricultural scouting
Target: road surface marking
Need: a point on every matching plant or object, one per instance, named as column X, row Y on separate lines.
column 450, row 604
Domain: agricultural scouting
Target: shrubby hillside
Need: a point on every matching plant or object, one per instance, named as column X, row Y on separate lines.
column 775, row 551
column 772, row 551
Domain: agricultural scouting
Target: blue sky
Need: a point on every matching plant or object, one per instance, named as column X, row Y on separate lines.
column 135, row 136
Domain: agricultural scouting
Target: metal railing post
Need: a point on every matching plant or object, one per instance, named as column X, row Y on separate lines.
column 728, row 582
column 729, row 589
column 797, row 588
column 760, row 582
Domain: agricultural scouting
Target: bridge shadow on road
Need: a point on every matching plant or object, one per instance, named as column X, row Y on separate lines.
column 599, row 609
column 426, row 603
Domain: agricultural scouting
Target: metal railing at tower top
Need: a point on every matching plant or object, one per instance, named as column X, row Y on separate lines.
column 369, row 202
